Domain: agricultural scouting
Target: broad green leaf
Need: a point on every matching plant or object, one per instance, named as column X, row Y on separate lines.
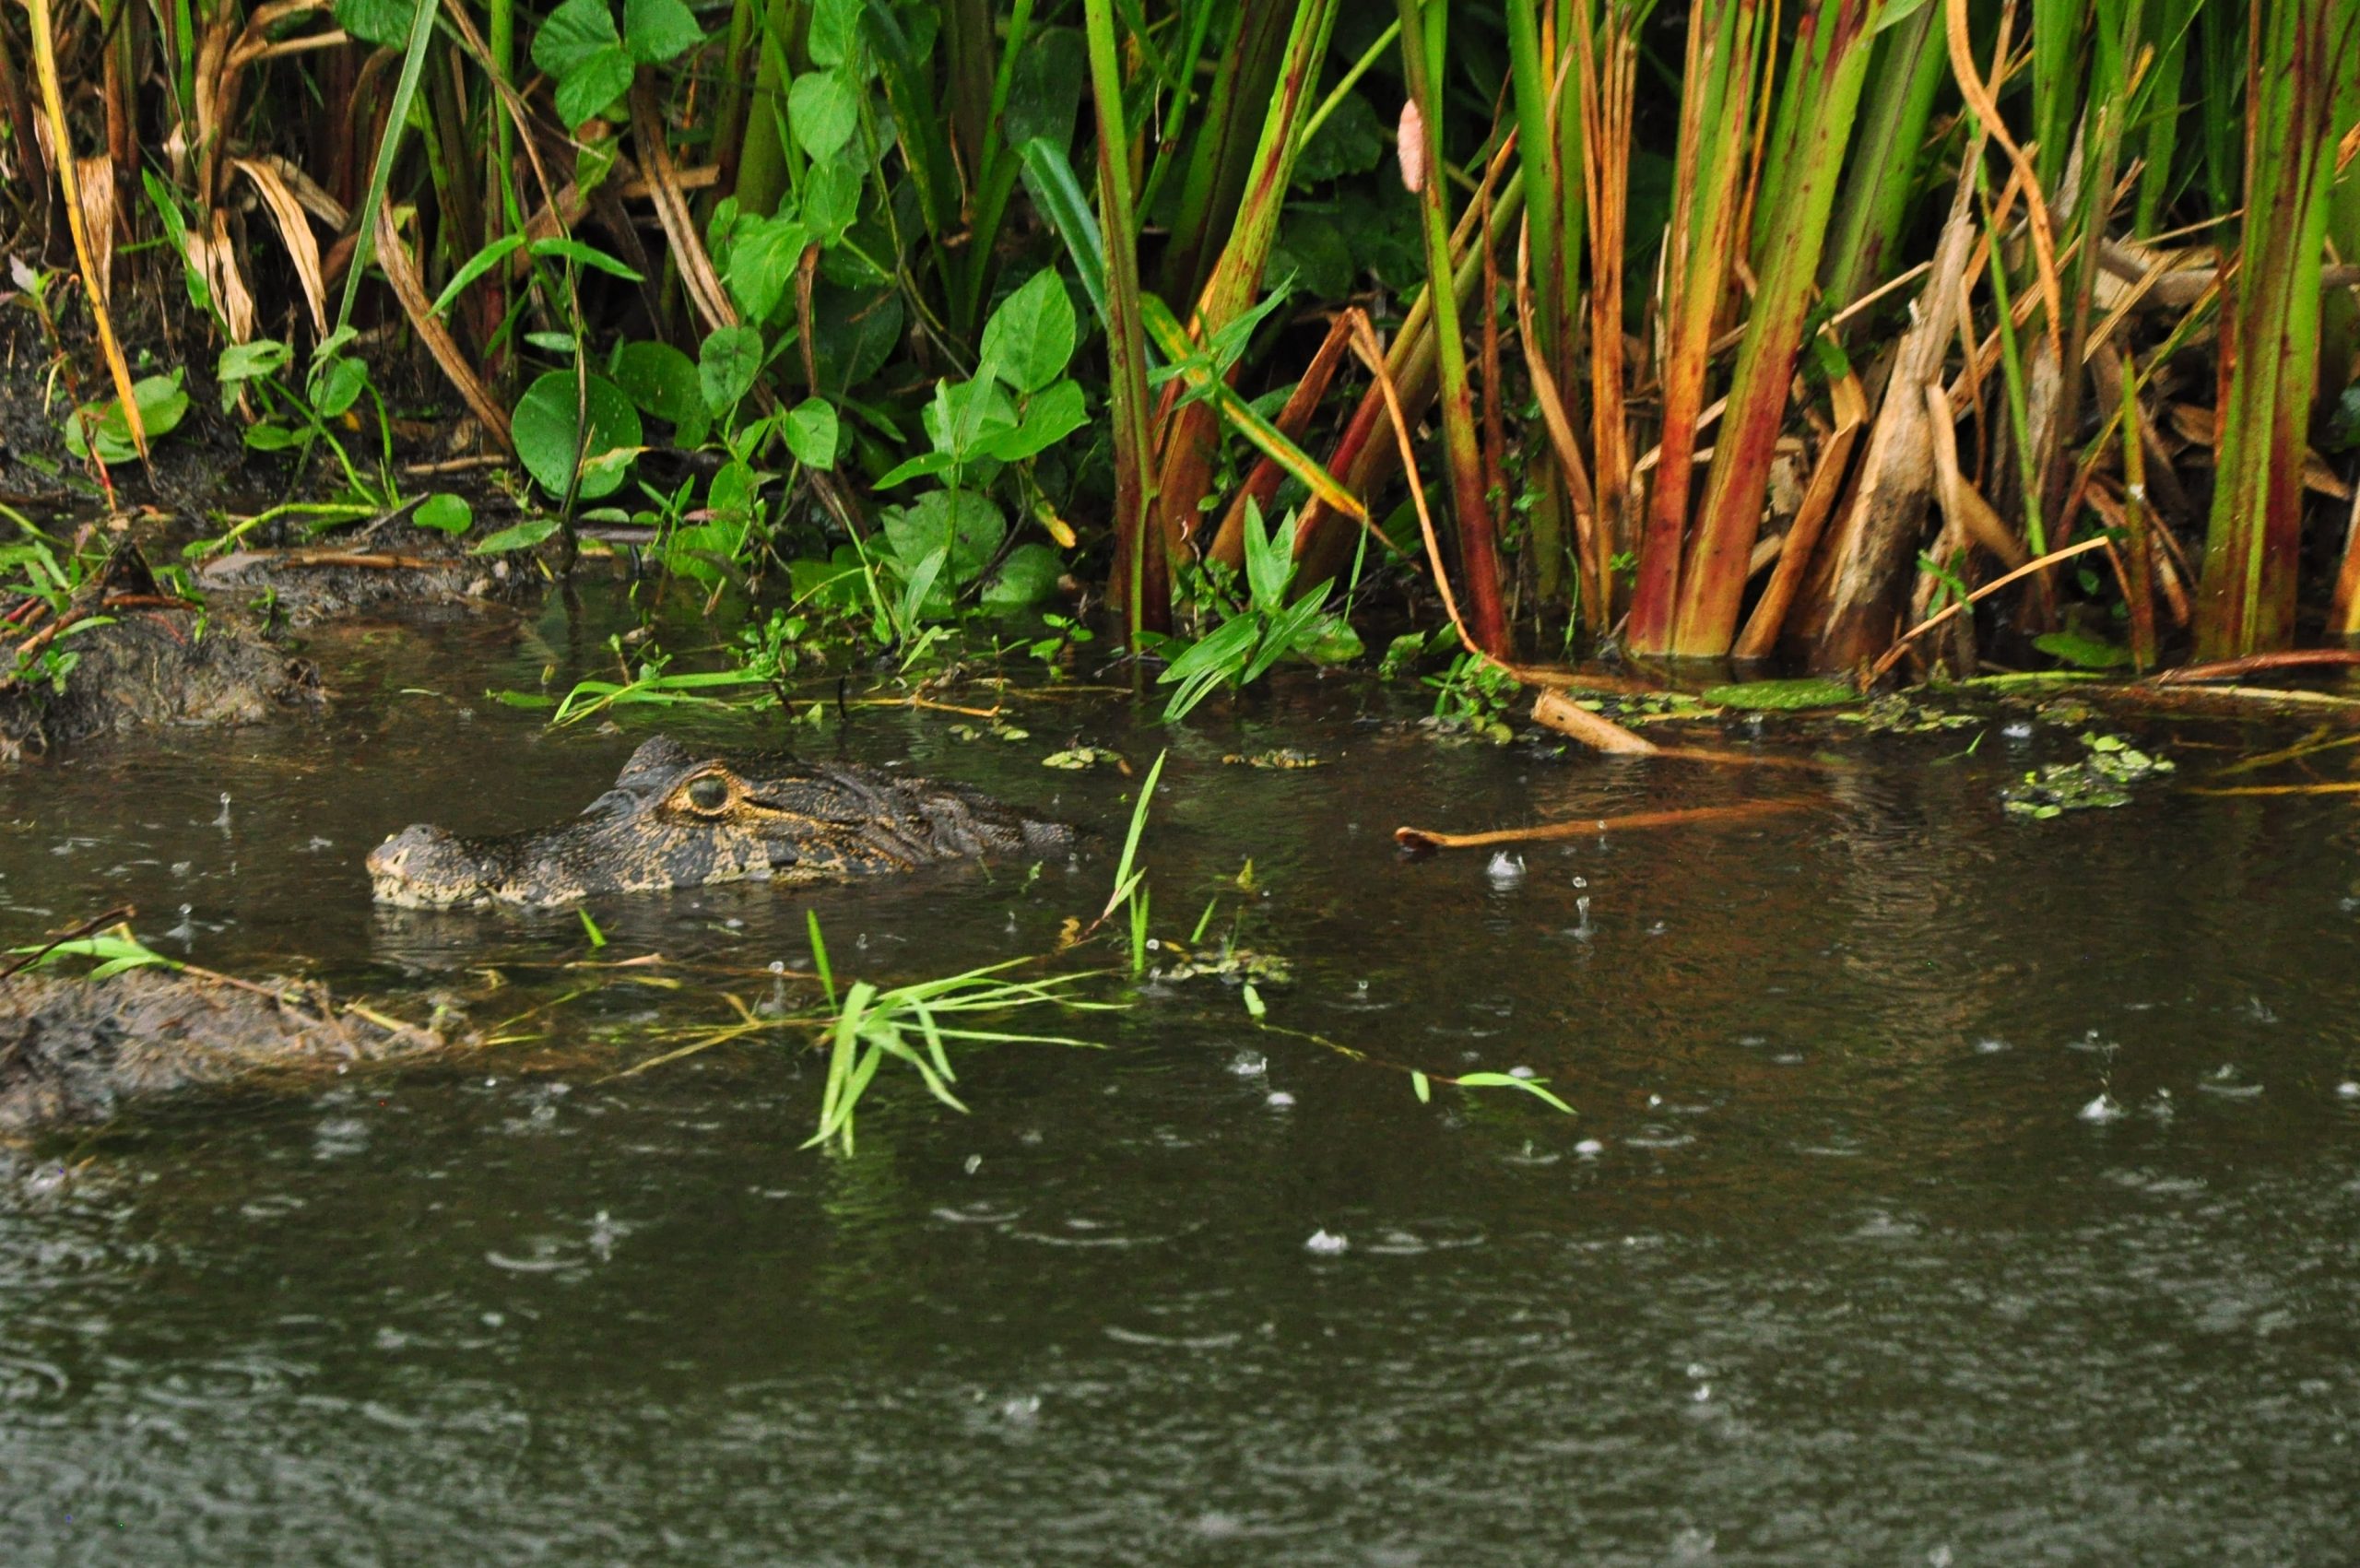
column 335, row 384
column 161, row 403
column 728, row 362
column 579, row 46
column 830, row 200
column 823, row 110
column 656, row 30
column 968, row 526
column 762, row 265
column 834, row 33
column 445, row 513
column 1031, row 338
column 517, row 536
column 810, row 430
column 586, row 93
column 1028, row 575
column 662, row 380
column 965, row 413
column 244, row 362
column 377, row 21
column 576, row 32
column 1048, row 419
column 547, row 433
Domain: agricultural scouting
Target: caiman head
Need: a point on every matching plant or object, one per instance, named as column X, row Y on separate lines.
column 679, row 820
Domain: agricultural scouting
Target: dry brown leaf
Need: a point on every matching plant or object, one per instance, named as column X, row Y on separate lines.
column 294, row 232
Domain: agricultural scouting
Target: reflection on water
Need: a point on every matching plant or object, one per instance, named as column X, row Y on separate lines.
column 1835, row 1264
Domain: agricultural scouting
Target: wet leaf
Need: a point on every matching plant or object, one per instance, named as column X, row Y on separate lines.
column 1031, row 338
column 726, row 364
column 547, row 434
column 445, row 513
column 811, row 431
column 517, row 536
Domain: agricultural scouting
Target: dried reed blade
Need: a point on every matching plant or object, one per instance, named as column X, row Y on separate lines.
column 53, row 97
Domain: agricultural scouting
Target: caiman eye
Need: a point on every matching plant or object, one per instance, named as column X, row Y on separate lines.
column 707, row 794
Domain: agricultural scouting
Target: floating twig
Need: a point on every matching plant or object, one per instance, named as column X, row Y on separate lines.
column 1694, row 816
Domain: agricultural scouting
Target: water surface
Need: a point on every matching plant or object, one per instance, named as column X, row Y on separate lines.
column 1944, row 1189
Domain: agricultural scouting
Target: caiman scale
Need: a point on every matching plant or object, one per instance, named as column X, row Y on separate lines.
column 676, row 818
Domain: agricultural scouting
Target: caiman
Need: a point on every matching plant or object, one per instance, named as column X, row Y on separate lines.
column 680, row 818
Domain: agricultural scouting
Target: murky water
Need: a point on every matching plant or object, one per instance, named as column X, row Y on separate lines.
column 1945, row 1190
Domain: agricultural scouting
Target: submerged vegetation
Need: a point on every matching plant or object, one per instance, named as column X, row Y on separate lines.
column 1726, row 329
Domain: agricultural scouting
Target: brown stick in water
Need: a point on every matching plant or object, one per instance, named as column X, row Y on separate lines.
column 1697, row 816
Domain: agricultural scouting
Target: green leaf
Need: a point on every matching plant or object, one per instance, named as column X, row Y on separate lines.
column 475, row 266
column 966, row 525
column 162, row 406
column 1423, row 1086
column 831, row 196
column 1028, row 575
column 517, row 536
column 1783, row 696
column 579, row 46
column 335, row 383
column 445, row 513
column 728, row 362
column 587, row 93
column 1269, row 564
column 823, row 109
column 762, row 264
column 656, row 30
column 547, row 434
column 811, row 431
column 377, row 21
column 925, row 465
column 834, row 33
column 244, row 362
column 575, row 33
column 1029, row 339
column 588, row 255
column 662, row 380
column 2082, row 651
column 1048, row 420
column 1531, row 1086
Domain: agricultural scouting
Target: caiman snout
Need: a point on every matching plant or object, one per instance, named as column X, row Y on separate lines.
column 426, row 867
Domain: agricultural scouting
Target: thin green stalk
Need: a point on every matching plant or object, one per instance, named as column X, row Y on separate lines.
column 2012, row 370
column 1423, row 40
column 1138, row 568
column 2299, row 59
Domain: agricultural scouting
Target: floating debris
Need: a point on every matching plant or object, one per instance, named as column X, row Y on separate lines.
column 1238, row 965
column 1077, row 759
column 2103, row 779
column 1278, row 757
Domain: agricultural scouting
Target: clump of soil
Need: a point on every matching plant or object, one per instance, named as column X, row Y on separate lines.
column 75, row 1051
column 384, row 565
column 151, row 667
